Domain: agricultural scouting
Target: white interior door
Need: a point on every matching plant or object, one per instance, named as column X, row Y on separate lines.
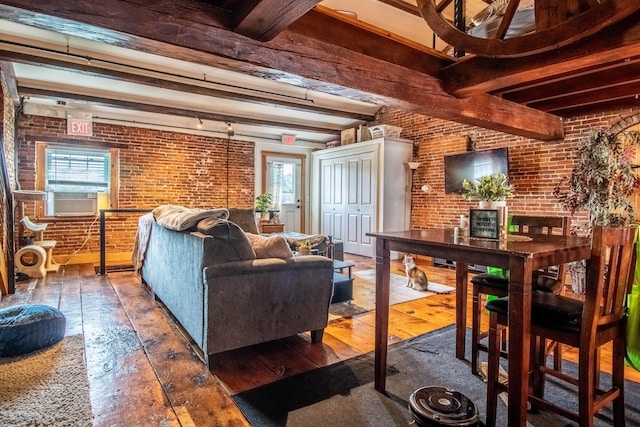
column 284, row 181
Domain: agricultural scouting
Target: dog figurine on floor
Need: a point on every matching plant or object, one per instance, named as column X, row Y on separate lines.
column 416, row 278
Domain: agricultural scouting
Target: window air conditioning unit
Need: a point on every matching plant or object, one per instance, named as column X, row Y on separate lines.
column 75, row 204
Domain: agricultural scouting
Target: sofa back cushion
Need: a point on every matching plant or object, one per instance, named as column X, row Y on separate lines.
column 230, row 242
column 245, row 218
column 270, row 246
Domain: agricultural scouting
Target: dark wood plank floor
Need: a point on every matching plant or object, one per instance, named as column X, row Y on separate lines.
column 143, row 370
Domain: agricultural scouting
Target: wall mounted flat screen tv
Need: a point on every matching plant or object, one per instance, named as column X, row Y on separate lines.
column 473, row 165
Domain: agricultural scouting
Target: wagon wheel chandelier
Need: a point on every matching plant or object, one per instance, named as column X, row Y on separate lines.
column 554, row 23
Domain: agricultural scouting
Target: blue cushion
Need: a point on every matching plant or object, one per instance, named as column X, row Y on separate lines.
column 26, row 328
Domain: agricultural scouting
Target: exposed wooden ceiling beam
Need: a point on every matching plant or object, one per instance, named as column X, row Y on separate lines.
column 289, row 57
column 404, row 6
column 163, row 109
column 95, row 67
column 268, row 18
column 563, row 93
column 10, row 79
column 630, row 102
column 596, row 96
column 486, row 75
column 362, row 38
column 607, row 76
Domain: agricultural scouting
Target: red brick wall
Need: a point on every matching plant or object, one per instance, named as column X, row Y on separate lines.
column 156, row 167
column 7, row 114
column 159, row 167
column 535, row 166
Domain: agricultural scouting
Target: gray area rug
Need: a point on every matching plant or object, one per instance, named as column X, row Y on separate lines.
column 364, row 294
column 343, row 395
column 48, row 387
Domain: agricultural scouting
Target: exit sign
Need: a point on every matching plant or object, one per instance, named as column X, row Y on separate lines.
column 288, row 139
column 80, row 125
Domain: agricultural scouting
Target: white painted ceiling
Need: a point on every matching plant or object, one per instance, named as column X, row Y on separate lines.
column 40, row 41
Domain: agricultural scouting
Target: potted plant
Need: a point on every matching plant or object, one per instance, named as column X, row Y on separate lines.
column 600, row 183
column 491, row 188
column 263, row 202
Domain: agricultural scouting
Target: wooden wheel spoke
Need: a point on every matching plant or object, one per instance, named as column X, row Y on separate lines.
column 557, row 23
column 505, row 23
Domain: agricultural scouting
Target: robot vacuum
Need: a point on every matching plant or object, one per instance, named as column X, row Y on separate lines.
column 439, row 406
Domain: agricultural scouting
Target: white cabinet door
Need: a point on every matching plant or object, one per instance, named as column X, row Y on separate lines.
column 332, row 204
column 361, row 184
column 362, row 188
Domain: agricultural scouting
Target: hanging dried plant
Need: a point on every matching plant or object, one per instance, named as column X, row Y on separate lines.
column 602, row 180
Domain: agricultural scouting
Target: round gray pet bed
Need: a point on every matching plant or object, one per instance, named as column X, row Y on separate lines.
column 26, row 328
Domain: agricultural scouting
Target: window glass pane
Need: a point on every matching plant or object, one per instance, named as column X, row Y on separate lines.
column 77, row 170
column 281, row 182
column 288, row 183
column 275, row 183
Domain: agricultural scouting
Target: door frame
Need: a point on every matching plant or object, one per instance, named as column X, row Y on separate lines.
column 303, row 179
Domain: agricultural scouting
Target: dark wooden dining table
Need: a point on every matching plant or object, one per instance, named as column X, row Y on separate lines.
column 520, row 257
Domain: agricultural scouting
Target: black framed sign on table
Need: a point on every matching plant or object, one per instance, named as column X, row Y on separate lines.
column 485, row 223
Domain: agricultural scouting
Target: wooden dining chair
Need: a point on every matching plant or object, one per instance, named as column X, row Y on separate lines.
column 584, row 325
column 547, row 280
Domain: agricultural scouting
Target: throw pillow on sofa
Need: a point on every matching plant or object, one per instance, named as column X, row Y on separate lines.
column 245, row 218
column 231, row 243
column 270, row 246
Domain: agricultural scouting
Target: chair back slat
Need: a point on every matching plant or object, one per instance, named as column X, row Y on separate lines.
column 609, row 275
column 527, row 224
column 530, row 224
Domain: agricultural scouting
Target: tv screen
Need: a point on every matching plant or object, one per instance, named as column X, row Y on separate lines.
column 473, row 165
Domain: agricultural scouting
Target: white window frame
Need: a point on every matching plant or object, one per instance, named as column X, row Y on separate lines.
column 108, row 187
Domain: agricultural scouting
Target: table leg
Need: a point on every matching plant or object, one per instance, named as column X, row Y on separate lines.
column 519, row 339
column 103, row 262
column 382, row 314
column 461, row 308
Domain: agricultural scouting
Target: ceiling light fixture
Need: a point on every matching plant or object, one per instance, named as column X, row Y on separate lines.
column 200, row 123
column 230, row 132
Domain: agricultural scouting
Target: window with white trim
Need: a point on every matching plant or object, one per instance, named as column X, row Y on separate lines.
column 78, row 180
column 77, row 171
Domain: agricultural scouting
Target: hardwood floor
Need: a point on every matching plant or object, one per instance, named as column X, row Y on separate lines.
column 143, row 371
